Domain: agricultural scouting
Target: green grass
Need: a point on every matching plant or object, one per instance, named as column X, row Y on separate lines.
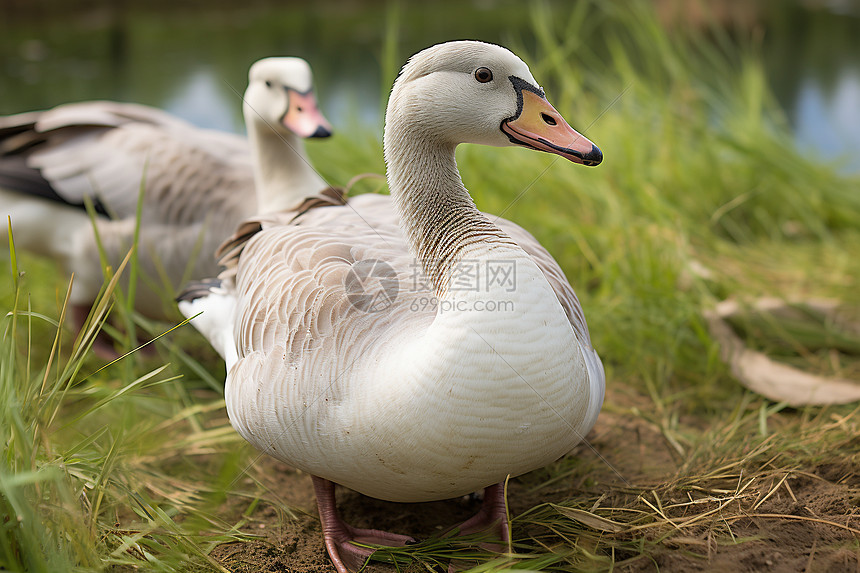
column 702, row 196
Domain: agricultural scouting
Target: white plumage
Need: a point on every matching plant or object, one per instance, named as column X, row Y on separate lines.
column 413, row 402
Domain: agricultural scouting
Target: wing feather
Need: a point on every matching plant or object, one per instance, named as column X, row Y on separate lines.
column 374, row 221
column 291, row 278
column 105, row 150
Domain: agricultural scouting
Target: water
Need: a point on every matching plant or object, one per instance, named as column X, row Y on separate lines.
column 813, row 63
column 193, row 61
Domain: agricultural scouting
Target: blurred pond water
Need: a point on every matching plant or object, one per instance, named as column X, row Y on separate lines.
column 191, row 58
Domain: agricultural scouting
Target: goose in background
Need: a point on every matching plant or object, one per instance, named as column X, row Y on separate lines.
column 198, row 183
column 440, row 390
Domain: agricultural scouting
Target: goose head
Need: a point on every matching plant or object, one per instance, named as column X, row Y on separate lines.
column 280, row 97
column 473, row 92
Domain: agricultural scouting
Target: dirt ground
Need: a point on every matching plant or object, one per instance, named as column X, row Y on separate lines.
column 629, row 447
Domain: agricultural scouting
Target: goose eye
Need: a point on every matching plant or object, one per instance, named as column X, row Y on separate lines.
column 483, row 75
column 268, row 84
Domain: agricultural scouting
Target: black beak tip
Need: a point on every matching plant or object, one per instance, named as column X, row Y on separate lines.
column 321, row 132
column 593, row 157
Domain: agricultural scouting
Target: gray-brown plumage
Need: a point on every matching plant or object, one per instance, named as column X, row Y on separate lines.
column 197, row 184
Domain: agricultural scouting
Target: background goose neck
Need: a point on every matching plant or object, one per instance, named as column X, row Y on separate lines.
column 283, row 175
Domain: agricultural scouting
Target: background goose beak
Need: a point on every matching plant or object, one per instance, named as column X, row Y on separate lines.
column 539, row 126
column 303, row 117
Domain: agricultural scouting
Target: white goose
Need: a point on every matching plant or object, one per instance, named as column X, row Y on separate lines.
column 199, row 182
column 447, row 387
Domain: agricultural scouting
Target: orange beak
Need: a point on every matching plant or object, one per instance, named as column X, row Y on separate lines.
column 303, row 117
column 539, row 126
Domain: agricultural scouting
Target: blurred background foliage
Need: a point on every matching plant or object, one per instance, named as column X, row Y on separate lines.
column 191, row 57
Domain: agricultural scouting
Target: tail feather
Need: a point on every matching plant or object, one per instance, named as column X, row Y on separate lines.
column 210, row 308
column 200, row 289
column 16, row 175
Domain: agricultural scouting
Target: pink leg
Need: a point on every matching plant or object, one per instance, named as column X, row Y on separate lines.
column 339, row 535
column 492, row 515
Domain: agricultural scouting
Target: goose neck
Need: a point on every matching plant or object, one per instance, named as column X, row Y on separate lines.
column 282, row 173
column 441, row 222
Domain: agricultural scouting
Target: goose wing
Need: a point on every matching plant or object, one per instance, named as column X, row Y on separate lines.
column 317, row 297
column 380, row 208
column 106, row 150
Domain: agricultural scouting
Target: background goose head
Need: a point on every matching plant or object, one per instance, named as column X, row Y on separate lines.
column 473, row 92
column 280, row 96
